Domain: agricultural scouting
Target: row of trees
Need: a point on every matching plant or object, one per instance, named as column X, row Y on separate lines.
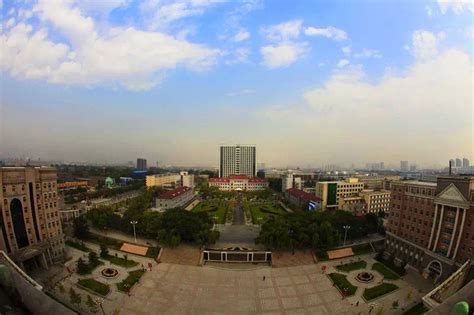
column 316, row 230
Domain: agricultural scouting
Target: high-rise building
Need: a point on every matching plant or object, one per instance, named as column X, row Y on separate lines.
column 30, row 228
column 465, row 163
column 458, row 162
column 238, row 160
column 187, row 179
column 141, row 164
column 286, row 181
column 413, row 168
column 404, row 166
column 430, row 225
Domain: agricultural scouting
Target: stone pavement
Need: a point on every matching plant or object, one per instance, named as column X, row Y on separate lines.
column 288, row 259
column 181, row 289
column 182, row 255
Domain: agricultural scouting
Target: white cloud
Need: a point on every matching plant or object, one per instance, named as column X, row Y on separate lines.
column 342, row 63
column 239, row 55
column 328, row 32
column 241, row 92
column 470, row 32
column 428, row 105
column 424, row 44
column 241, row 36
column 10, row 22
column 102, row 6
column 162, row 13
column 456, row 6
column 283, row 31
column 347, row 50
column 283, row 54
column 134, row 58
column 429, row 11
column 368, row 53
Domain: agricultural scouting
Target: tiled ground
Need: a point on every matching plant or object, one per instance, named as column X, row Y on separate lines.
column 288, row 259
column 181, row 289
column 183, row 255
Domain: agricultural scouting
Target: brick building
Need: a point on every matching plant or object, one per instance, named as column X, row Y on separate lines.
column 431, row 225
column 239, row 183
column 30, row 228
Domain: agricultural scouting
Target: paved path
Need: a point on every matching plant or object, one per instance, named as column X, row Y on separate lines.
column 123, row 237
column 239, row 217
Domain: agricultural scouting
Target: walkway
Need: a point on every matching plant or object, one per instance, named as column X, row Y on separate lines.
column 239, row 217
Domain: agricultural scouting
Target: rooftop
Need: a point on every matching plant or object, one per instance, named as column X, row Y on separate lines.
column 302, row 195
column 171, row 194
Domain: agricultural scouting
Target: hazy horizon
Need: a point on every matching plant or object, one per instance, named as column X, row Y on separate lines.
column 308, row 83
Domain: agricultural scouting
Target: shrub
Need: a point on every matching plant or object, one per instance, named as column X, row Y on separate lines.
column 94, row 285
column 341, row 282
column 129, row 282
column 375, row 292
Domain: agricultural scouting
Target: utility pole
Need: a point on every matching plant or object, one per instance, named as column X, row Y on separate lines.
column 134, row 232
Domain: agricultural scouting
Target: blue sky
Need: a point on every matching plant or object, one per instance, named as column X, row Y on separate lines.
column 309, row 82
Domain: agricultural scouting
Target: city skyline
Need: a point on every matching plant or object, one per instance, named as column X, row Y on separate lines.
column 193, row 74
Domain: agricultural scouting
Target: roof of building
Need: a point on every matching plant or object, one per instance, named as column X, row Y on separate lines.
column 233, row 177
column 257, row 180
column 416, row 182
column 171, row 194
column 238, row 177
column 302, row 195
column 219, row 180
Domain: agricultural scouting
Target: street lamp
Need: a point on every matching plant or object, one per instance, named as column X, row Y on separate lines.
column 100, row 301
column 134, row 233
column 345, row 227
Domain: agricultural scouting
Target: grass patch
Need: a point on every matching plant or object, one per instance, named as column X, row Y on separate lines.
column 129, row 282
column 352, row 266
column 261, row 212
column 418, row 309
column 217, row 210
column 102, row 240
column 375, row 292
column 90, row 267
column 362, row 249
column 126, row 263
column 77, row 245
column 96, row 286
column 341, row 282
column 391, row 265
column 383, row 270
column 153, row 252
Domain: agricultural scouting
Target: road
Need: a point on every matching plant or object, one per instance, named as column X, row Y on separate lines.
column 239, row 218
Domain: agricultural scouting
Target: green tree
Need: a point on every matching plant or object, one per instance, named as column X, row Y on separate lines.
column 93, row 258
column 74, row 297
column 104, row 251
column 82, row 267
column 81, row 228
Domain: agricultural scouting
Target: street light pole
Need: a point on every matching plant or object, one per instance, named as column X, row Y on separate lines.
column 345, row 227
column 100, row 301
column 134, row 233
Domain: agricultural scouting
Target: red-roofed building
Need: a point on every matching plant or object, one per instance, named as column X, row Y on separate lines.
column 302, row 199
column 239, row 182
column 175, row 198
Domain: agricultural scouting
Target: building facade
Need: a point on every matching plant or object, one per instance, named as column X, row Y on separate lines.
column 404, row 166
column 175, row 198
column 238, row 160
column 162, row 180
column 302, row 200
column 378, row 182
column 376, row 201
column 186, row 179
column 141, row 164
column 331, row 192
column 30, row 228
column 431, row 225
column 239, row 183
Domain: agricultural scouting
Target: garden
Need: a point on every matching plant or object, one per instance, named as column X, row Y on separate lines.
column 386, row 272
column 341, row 282
column 375, row 292
column 352, row 266
column 94, row 285
column 217, row 210
column 260, row 212
column 132, row 278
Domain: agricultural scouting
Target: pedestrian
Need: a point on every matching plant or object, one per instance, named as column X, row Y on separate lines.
column 357, row 304
column 263, row 278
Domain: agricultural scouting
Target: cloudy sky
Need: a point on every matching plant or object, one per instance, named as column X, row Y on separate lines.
column 308, row 82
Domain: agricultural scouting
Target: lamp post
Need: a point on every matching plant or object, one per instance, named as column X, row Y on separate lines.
column 100, row 301
column 134, row 232
column 345, row 227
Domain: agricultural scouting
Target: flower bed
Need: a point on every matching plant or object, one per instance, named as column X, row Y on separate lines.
column 96, row 286
column 342, row 284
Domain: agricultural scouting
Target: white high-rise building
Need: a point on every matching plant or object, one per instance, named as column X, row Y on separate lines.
column 239, row 159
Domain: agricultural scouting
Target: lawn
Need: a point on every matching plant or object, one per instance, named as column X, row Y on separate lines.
column 126, row 263
column 217, row 210
column 418, row 309
column 79, row 246
column 133, row 277
column 352, row 266
column 375, row 292
column 90, row 267
column 383, row 270
column 362, row 249
column 153, row 251
column 260, row 212
column 96, row 286
column 107, row 241
column 341, row 282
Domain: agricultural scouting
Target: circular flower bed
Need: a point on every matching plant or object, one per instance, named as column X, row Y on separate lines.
column 365, row 277
column 109, row 272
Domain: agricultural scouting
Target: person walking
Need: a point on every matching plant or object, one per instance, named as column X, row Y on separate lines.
column 264, row 278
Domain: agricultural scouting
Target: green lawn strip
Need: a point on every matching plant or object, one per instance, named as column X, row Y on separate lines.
column 77, row 245
column 216, row 210
column 375, row 292
column 91, row 267
column 352, row 266
column 341, row 282
column 126, row 263
column 362, row 249
column 418, row 309
column 96, row 286
column 385, row 272
column 107, row 241
column 153, row 251
column 133, row 277
column 260, row 212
